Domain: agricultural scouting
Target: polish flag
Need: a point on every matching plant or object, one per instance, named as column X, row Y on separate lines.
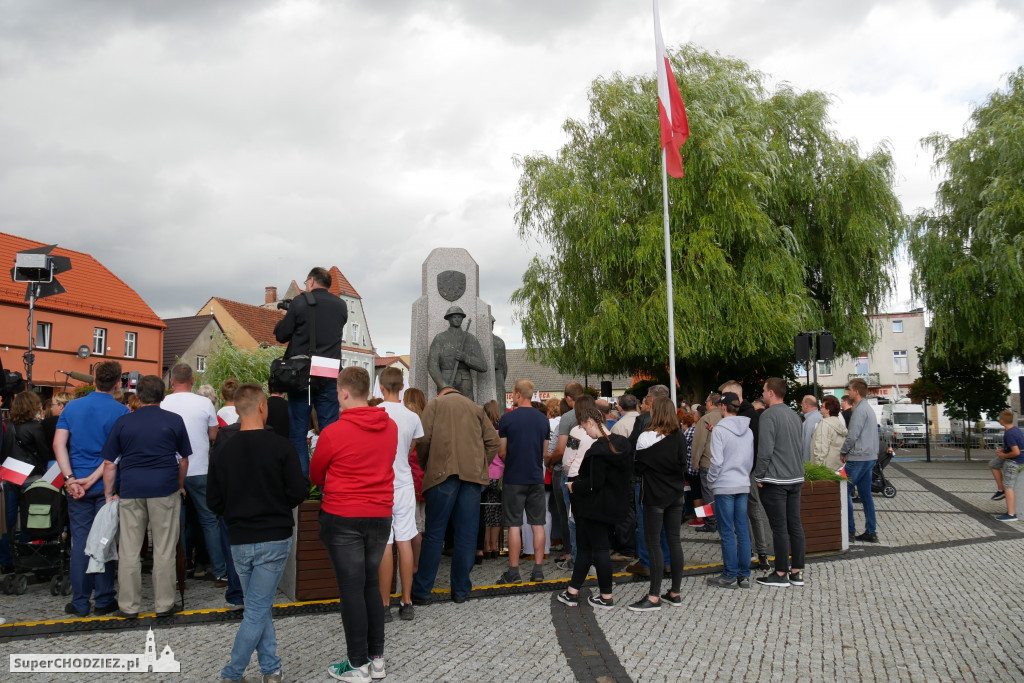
column 324, row 367
column 842, row 471
column 54, row 476
column 704, row 511
column 671, row 110
column 686, row 487
column 15, row 471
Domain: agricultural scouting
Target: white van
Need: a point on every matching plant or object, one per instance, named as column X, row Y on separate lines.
column 903, row 423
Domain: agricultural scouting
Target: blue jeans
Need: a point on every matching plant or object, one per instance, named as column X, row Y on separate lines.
column 260, row 566
column 459, row 501
column 234, row 593
column 324, row 394
column 81, row 513
column 196, row 489
column 641, row 544
column 734, row 532
column 859, row 474
column 563, row 484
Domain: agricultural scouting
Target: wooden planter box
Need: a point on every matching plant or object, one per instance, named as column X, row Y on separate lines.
column 824, row 514
column 308, row 574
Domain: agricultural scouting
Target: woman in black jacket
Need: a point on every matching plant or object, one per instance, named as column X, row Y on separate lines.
column 598, row 496
column 661, row 464
column 27, row 416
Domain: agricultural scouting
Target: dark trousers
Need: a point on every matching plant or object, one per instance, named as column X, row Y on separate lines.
column 355, row 546
column 659, row 521
column 593, row 550
column 234, row 593
column 559, row 515
column 782, row 505
column 81, row 513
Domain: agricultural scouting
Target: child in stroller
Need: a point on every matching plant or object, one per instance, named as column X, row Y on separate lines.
column 45, row 551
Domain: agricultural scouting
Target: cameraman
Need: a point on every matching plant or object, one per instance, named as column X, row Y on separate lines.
column 294, row 328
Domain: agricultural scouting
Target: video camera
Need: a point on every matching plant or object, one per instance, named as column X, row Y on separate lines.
column 283, row 304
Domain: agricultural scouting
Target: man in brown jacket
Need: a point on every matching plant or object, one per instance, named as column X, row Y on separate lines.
column 700, row 455
column 458, row 444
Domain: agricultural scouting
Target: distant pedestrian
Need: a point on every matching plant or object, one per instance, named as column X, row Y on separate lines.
column 1007, row 464
column 779, row 471
column 809, row 407
column 700, row 458
column 846, row 405
column 828, row 437
column 860, row 452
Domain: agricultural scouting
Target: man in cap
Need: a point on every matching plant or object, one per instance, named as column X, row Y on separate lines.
column 453, row 354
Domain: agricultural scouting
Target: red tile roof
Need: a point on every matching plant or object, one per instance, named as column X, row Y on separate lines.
column 92, row 290
column 256, row 320
column 340, row 284
column 385, row 361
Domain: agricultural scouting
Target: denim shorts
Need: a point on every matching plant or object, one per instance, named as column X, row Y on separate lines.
column 1009, row 468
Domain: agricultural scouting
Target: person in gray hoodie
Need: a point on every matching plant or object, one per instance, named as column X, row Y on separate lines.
column 732, row 457
column 859, row 452
column 780, row 474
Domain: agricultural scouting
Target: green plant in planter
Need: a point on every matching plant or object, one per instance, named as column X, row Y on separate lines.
column 814, row 472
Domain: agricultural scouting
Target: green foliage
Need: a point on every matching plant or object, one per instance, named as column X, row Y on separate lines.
column 968, row 251
column 925, row 388
column 778, row 226
column 84, row 390
column 245, row 365
column 814, row 472
column 970, row 391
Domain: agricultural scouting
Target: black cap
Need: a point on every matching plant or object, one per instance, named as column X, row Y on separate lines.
column 731, row 399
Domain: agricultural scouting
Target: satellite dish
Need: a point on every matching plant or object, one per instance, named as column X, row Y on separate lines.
column 83, row 351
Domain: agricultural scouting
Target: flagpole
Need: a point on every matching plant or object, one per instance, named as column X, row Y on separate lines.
column 668, row 285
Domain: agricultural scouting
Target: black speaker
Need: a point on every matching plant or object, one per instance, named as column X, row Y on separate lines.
column 802, row 344
column 1020, row 387
column 606, row 388
column 826, row 346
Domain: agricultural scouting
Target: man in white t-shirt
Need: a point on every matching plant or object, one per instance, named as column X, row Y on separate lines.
column 403, row 514
column 201, row 423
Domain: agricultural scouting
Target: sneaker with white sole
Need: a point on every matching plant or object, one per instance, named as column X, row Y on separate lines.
column 999, row 495
column 510, row 575
column 743, row 582
column 565, row 565
column 722, row 581
column 570, row 599
column 1007, row 518
column 774, row 580
column 797, row 578
column 676, row 601
column 596, row 600
column 270, row 678
column 644, row 604
column 351, row 674
column 377, row 671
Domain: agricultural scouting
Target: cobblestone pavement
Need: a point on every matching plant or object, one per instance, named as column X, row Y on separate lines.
column 934, row 601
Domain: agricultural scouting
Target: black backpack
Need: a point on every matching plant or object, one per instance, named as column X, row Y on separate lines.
column 292, row 374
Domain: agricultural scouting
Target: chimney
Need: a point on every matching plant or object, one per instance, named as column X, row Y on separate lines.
column 271, row 295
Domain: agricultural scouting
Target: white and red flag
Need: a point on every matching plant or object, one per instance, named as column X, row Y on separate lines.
column 675, row 129
column 15, row 471
column 704, row 511
column 324, row 367
column 54, row 476
column 842, row 471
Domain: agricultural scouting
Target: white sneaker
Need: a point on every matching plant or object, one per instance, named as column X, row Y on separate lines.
column 351, row 674
column 377, row 668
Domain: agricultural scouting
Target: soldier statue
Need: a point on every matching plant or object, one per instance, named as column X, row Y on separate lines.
column 454, row 353
column 500, row 367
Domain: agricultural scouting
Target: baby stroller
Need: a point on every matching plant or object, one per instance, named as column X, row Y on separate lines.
column 43, row 546
column 879, row 484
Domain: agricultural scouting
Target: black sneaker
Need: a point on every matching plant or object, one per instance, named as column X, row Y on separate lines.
column 70, row 609
column 797, row 578
column 999, row 495
column 109, row 609
column 867, row 538
column 537, row 574
column 676, row 601
column 774, row 580
column 126, row 615
column 388, row 617
column 565, row 565
column 567, row 598
column 707, row 529
column 420, row 601
column 722, row 581
column 596, row 600
column 743, row 582
column 509, row 576
column 176, row 609
column 644, row 604
column 761, row 563
column 406, row 612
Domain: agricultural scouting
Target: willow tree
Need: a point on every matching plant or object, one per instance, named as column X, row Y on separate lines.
column 778, row 226
column 969, row 250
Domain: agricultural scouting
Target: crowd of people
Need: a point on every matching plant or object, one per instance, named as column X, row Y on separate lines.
column 401, row 477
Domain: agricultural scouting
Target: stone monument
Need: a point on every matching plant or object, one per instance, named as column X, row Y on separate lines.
column 451, row 279
column 500, row 367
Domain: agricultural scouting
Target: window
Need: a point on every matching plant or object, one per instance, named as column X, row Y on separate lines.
column 200, row 363
column 344, row 331
column 43, row 335
column 899, row 362
column 344, row 362
column 99, row 341
column 355, row 333
column 824, row 367
column 862, row 367
column 897, row 325
column 129, row 344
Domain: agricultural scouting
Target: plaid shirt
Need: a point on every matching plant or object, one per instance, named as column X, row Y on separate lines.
column 689, row 445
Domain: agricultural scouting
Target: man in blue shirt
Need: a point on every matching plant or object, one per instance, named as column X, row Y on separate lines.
column 150, row 448
column 1007, row 464
column 81, row 432
column 524, row 441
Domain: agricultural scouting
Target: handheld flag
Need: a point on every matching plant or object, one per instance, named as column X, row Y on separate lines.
column 704, row 511
column 324, row 367
column 54, row 476
column 675, row 129
column 842, row 471
column 15, row 471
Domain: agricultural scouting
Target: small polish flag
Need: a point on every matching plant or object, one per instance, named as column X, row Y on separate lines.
column 54, row 476
column 15, row 471
column 686, row 487
column 704, row 511
column 841, row 471
column 324, row 367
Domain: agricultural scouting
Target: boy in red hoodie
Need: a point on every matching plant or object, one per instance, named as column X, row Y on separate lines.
column 353, row 466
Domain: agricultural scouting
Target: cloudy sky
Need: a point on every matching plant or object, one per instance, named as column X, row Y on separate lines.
column 214, row 147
